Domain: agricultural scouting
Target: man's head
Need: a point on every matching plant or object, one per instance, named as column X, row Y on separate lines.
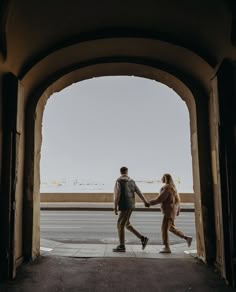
column 124, row 170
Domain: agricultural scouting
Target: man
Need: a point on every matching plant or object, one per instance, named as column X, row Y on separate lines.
column 124, row 201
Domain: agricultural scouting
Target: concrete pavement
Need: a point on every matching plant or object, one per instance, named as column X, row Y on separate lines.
column 95, row 268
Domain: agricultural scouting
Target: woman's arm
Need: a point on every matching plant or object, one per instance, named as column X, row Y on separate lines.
column 161, row 197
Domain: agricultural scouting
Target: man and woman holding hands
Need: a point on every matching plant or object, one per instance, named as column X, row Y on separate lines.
column 124, row 202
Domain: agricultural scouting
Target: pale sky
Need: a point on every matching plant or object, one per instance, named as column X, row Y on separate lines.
column 94, row 127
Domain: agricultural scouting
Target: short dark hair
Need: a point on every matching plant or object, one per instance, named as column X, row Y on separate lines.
column 123, row 170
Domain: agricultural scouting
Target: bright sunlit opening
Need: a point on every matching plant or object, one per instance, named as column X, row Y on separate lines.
column 94, row 127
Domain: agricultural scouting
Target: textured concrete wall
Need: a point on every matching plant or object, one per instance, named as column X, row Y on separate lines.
column 214, row 133
column 20, row 176
column 100, row 197
column 205, row 199
column 1, row 127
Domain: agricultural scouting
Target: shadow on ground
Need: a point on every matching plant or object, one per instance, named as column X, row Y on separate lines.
column 56, row 274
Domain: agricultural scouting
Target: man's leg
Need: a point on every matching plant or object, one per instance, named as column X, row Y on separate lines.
column 130, row 227
column 121, row 226
column 121, row 231
column 144, row 240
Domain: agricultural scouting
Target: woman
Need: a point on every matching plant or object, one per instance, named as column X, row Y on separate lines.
column 170, row 205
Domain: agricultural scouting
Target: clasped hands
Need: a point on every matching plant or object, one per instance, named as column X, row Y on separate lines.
column 147, row 204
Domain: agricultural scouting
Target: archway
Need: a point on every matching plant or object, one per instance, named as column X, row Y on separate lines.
column 198, row 133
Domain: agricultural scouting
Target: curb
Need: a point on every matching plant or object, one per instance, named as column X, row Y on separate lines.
column 76, row 208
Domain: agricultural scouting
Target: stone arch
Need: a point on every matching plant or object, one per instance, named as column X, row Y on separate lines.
column 193, row 95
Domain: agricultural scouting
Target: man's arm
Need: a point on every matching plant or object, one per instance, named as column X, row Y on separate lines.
column 116, row 197
column 161, row 197
column 141, row 196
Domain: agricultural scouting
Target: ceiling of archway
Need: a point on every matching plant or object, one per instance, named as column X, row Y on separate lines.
column 43, row 37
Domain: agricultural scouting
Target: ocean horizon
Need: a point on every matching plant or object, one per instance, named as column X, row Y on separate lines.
column 75, row 185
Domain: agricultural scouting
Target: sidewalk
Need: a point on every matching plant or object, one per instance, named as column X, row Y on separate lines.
column 55, row 248
column 185, row 207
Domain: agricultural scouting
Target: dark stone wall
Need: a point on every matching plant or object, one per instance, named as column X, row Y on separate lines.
column 227, row 126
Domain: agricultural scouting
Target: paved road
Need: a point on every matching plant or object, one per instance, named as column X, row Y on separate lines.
column 100, row 226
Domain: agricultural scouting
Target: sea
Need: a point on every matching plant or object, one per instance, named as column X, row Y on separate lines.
column 77, row 185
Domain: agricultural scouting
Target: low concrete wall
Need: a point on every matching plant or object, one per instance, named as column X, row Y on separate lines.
column 100, row 197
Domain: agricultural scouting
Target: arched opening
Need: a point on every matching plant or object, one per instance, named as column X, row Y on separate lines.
column 110, row 69
column 92, row 114
column 85, row 123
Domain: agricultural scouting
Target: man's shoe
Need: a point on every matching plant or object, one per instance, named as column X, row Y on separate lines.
column 165, row 250
column 119, row 248
column 189, row 240
column 144, row 242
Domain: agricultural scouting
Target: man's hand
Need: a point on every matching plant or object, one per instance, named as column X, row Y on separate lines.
column 147, row 204
column 116, row 211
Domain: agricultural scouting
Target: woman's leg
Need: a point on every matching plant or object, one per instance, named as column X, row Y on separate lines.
column 164, row 231
column 179, row 233
column 176, row 231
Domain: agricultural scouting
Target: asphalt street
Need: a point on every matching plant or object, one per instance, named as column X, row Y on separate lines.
column 100, row 226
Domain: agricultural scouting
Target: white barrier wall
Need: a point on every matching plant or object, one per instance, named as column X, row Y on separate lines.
column 100, row 197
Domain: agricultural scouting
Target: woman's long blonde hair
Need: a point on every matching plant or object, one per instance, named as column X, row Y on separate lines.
column 171, row 184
